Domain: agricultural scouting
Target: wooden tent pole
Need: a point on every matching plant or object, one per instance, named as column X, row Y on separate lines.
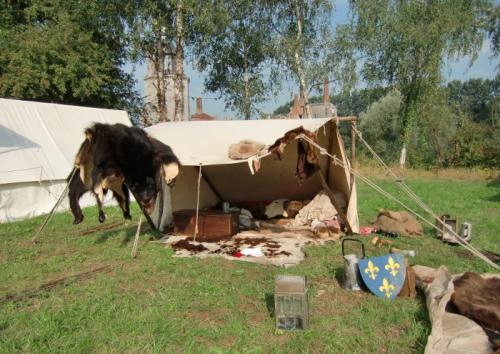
column 335, row 202
column 330, row 147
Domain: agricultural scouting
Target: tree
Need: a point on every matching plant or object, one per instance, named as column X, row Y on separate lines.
column 152, row 33
column 301, row 36
column 66, row 52
column 476, row 97
column 405, row 44
column 180, row 36
column 232, row 45
column 381, row 126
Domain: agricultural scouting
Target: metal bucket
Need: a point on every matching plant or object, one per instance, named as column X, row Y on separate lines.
column 352, row 278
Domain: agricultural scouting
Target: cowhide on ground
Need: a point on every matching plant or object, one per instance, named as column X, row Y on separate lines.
column 279, row 248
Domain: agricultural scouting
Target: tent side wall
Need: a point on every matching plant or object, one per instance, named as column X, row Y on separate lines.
column 17, row 200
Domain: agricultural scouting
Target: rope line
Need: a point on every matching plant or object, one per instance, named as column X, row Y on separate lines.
column 197, row 204
column 405, row 188
column 336, row 160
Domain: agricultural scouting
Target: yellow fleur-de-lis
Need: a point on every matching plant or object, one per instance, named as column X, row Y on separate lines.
column 372, row 269
column 386, row 287
column 393, row 266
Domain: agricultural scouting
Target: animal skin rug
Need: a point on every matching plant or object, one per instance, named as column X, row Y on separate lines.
column 280, row 249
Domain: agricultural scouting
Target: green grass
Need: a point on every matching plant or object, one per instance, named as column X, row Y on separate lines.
column 158, row 303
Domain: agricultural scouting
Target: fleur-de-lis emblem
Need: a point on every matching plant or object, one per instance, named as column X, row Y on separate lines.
column 372, row 270
column 387, row 287
column 393, row 266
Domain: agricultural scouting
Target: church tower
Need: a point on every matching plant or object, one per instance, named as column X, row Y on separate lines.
column 151, row 100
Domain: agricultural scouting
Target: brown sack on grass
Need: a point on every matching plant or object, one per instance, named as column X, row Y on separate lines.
column 399, row 222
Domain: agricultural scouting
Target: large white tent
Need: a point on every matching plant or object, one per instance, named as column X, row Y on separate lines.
column 206, row 144
column 38, row 143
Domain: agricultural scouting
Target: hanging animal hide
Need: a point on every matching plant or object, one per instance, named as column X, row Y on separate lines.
column 307, row 160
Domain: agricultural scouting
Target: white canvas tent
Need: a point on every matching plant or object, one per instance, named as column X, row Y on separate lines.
column 38, row 143
column 206, row 144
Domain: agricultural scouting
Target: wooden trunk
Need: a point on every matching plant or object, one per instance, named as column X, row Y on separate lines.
column 213, row 225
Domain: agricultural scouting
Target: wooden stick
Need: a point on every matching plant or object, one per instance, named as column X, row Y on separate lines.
column 330, row 147
column 52, row 284
column 133, row 254
column 101, row 228
column 146, row 215
column 51, row 213
column 335, row 202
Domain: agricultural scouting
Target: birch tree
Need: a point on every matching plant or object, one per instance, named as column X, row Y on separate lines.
column 301, row 34
column 233, row 47
column 152, row 32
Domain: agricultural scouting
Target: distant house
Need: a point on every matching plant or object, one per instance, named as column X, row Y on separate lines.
column 200, row 115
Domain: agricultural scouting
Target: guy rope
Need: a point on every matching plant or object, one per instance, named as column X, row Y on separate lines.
column 335, row 160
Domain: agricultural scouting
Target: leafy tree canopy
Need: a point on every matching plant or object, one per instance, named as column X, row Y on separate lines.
column 65, row 51
column 405, row 44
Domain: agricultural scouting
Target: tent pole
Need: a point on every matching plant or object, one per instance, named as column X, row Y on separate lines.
column 211, row 185
column 146, row 215
column 335, row 202
column 330, row 147
column 58, row 202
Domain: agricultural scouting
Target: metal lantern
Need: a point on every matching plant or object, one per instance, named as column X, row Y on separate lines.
column 290, row 302
column 466, row 231
column 450, row 225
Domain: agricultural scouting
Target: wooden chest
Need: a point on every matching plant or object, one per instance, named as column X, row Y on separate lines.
column 213, row 225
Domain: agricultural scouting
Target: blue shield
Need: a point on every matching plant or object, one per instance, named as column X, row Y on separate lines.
column 384, row 275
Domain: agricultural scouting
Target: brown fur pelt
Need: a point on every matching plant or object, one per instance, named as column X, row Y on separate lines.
column 478, row 299
column 307, row 160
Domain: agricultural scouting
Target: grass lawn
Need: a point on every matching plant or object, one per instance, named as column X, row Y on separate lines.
column 158, row 303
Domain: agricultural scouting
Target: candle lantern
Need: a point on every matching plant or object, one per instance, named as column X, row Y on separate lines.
column 290, row 302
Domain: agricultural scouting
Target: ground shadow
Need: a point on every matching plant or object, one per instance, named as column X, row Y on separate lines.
column 494, row 184
column 128, row 230
column 269, row 298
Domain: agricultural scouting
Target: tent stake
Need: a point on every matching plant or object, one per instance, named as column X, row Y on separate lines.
column 133, row 254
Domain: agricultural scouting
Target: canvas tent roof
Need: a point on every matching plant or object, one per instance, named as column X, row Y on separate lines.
column 206, row 143
column 38, row 141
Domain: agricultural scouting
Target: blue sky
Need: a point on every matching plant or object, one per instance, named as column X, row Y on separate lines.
column 483, row 67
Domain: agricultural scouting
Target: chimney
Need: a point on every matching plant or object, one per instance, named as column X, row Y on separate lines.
column 326, row 94
column 199, row 107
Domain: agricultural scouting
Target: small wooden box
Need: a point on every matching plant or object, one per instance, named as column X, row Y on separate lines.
column 213, row 225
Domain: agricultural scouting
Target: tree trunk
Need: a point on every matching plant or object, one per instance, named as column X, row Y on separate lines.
column 160, row 78
column 298, row 64
column 179, row 63
column 246, row 90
